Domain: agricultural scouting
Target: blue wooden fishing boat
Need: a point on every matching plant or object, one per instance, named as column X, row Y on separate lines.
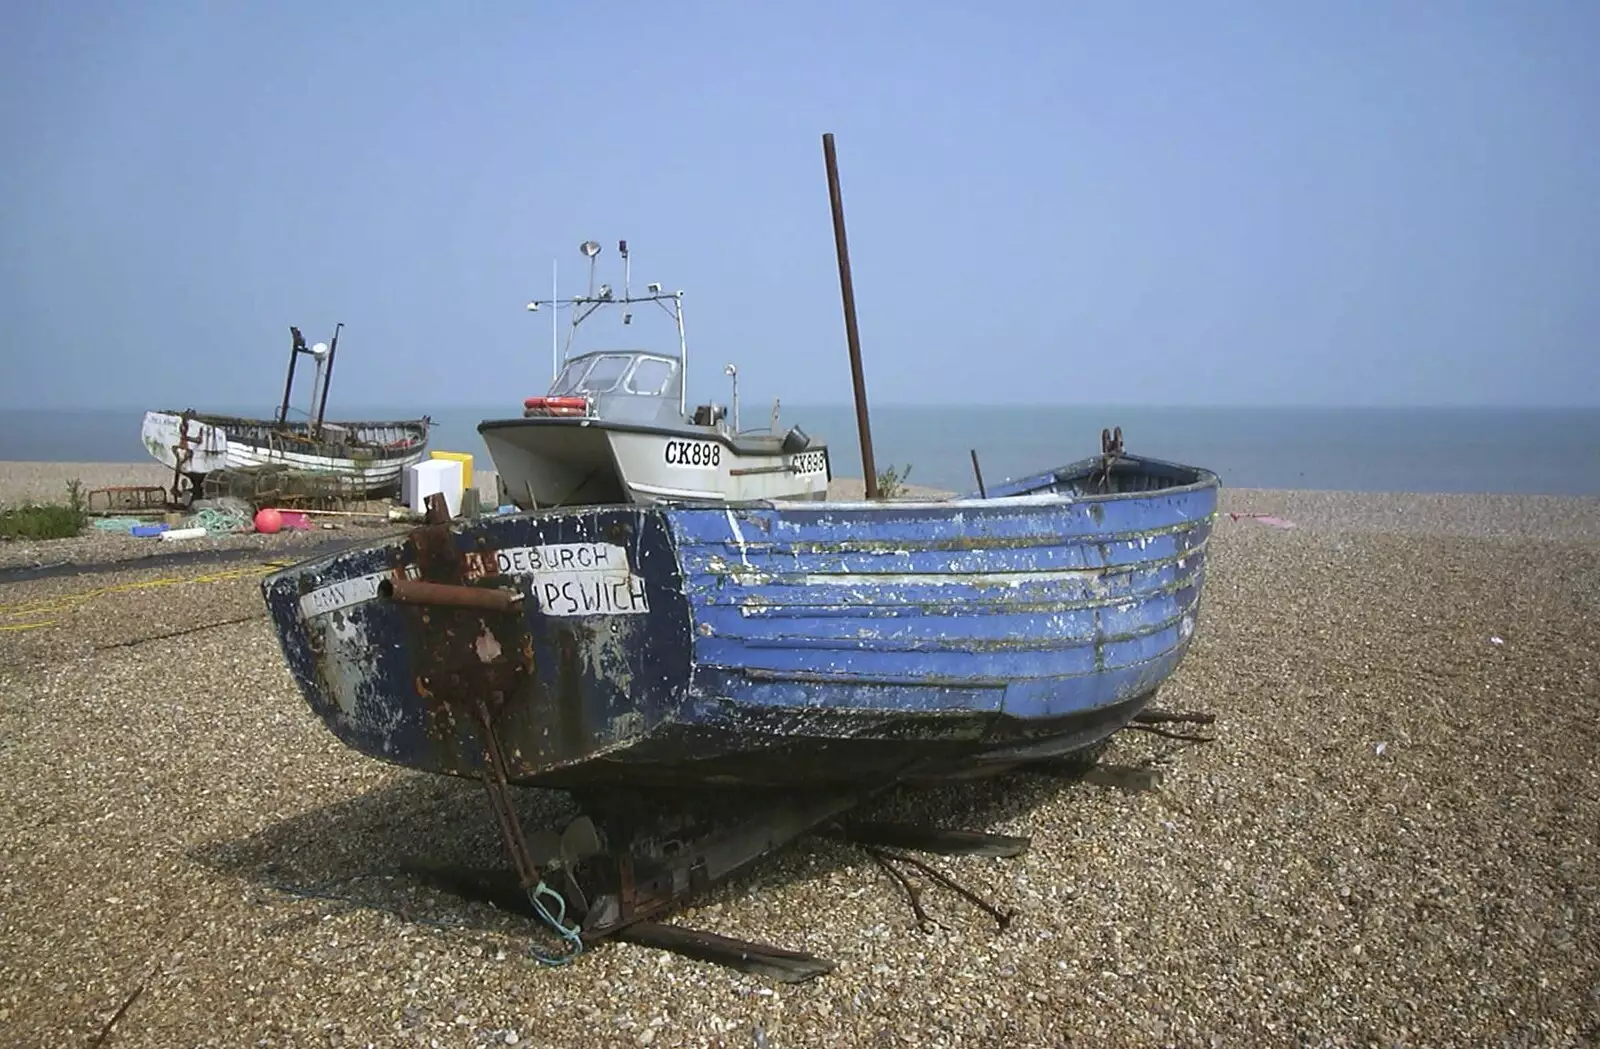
column 766, row 644
column 770, row 663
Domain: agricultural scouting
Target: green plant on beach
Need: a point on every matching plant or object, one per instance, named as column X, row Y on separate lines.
column 47, row 520
column 892, row 482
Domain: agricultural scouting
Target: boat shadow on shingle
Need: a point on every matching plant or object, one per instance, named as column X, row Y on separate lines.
column 449, row 868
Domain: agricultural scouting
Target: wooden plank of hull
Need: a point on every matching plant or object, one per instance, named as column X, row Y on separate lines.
column 373, row 474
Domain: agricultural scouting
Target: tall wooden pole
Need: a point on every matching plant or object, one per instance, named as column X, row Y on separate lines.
column 863, row 425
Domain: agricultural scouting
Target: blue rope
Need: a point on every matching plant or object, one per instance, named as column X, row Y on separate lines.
column 557, row 921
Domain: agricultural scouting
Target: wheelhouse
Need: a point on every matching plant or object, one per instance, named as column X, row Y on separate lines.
column 615, row 384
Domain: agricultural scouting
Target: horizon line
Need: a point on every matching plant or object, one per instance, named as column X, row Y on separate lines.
column 353, row 407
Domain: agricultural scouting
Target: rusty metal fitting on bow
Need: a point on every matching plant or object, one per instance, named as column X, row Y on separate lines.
column 420, row 592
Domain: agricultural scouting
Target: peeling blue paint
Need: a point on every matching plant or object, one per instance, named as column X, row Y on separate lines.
column 783, row 643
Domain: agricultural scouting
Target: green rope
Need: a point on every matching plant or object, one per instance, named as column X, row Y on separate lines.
column 117, row 524
column 221, row 521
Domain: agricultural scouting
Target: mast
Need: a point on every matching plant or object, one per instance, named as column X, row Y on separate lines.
column 296, row 341
column 327, row 379
column 683, row 356
column 852, row 336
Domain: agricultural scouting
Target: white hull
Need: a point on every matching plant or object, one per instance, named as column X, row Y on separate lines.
column 210, row 449
column 591, row 462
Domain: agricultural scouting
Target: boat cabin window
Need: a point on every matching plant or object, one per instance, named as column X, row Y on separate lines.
column 649, row 377
column 593, row 375
column 604, row 374
column 567, row 381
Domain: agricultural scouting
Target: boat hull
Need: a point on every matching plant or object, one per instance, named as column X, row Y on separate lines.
column 552, row 462
column 785, row 644
column 196, row 445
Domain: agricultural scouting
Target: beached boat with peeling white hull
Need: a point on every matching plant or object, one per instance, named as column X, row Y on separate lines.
column 364, row 457
column 613, row 428
column 368, row 456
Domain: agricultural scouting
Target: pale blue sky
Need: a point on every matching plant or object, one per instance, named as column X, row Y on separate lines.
column 1234, row 203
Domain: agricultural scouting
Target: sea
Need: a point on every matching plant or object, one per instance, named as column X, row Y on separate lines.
column 1554, row 451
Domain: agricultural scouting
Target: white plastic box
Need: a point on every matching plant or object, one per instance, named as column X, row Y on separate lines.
column 429, row 476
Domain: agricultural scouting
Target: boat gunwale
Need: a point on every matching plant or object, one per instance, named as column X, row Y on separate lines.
column 685, row 431
column 966, row 544
column 1204, row 479
column 215, row 418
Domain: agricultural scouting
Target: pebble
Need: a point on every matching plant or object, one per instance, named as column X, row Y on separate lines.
column 1287, row 884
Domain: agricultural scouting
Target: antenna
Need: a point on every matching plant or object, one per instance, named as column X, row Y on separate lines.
column 683, row 354
column 583, row 306
column 627, row 272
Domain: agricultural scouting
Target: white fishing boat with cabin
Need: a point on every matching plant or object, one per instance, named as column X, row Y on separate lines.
column 613, row 426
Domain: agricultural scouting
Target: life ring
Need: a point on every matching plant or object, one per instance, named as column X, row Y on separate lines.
column 555, row 406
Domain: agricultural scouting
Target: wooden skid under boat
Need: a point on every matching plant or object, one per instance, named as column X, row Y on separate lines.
column 781, row 644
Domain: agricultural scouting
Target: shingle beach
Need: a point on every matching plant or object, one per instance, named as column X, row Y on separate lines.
column 1393, row 841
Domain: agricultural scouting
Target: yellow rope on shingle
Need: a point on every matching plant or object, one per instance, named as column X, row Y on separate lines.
column 68, row 602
